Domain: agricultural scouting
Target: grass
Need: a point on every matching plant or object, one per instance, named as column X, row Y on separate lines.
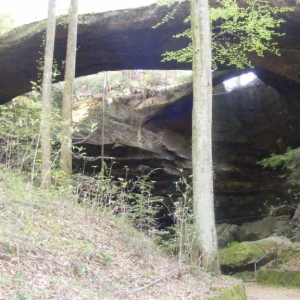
column 53, row 248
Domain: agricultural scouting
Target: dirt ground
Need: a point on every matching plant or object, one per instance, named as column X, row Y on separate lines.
column 257, row 292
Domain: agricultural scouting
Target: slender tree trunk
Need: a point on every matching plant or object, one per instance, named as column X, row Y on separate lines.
column 66, row 148
column 203, row 201
column 103, row 123
column 46, row 96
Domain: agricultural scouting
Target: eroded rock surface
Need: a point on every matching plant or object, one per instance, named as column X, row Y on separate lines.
column 125, row 39
column 155, row 132
column 257, row 230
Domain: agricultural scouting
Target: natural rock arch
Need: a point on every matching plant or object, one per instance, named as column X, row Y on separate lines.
column 125, row 39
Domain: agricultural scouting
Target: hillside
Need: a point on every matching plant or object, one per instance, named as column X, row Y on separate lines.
column 53, row 248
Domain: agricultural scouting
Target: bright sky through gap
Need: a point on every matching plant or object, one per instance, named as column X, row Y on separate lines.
column 27, row 11
column 239, row 81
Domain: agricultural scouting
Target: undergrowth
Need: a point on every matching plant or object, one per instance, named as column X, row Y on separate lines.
column 131, row 197
column 79, row 241
column 52, row 247
column 288, row 163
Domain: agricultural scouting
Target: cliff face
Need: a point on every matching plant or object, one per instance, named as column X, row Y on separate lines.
column 248, row 125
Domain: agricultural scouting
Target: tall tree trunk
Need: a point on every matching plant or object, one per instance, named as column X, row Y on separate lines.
column 66, row 148
column 104, row 94
column 46, row 96
column 203, row 202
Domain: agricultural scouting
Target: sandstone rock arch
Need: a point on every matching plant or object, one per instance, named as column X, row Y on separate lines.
column 125, row 39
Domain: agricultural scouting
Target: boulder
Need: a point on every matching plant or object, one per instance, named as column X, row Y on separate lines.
column 268, row 226
column 277, row 277
column 285, row 271
column 252, row 231
column 257, row 230
column 243, row 256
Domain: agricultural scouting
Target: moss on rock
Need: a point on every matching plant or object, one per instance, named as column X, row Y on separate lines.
column 236, row 292
column 242, row 256
column 278, row 277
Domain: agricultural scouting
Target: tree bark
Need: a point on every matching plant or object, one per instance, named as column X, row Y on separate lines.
column 104, row 94
column 203, row 202
column 66, row 147
column 46, row 96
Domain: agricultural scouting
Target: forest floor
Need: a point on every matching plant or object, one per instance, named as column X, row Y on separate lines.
column 51, row 247
column 264, row 292
column 258, row 292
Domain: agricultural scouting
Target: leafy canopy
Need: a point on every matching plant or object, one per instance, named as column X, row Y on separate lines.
column 236, row 31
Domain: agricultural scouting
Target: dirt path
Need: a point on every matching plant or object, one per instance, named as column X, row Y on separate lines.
column 257, row 292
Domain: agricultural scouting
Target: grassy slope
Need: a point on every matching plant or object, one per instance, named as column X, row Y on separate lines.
column 52, row 248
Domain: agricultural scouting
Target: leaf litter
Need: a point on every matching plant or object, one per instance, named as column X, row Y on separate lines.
column 53, row 248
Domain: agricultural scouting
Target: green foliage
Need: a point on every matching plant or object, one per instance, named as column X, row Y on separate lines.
column 37, row 86
column 171, row 14
column 236, row 32
column 133, row 200
column 20, row 136
column 180, row 239
column 121, row 83
column 230, row 244
column 130, row 197
column 289, row 162
column 19, row 131
column 91, row 254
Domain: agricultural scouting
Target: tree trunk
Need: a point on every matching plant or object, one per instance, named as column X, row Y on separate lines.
column 46, row 96
column 66, row 147
column 104, row 94
column 203, row 202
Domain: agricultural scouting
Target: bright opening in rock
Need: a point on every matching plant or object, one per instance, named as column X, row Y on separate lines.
column 239, row 81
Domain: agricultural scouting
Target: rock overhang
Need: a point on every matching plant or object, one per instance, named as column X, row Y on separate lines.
column 125, row 39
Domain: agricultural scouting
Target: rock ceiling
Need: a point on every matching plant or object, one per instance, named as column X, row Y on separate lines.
column 125, row 39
